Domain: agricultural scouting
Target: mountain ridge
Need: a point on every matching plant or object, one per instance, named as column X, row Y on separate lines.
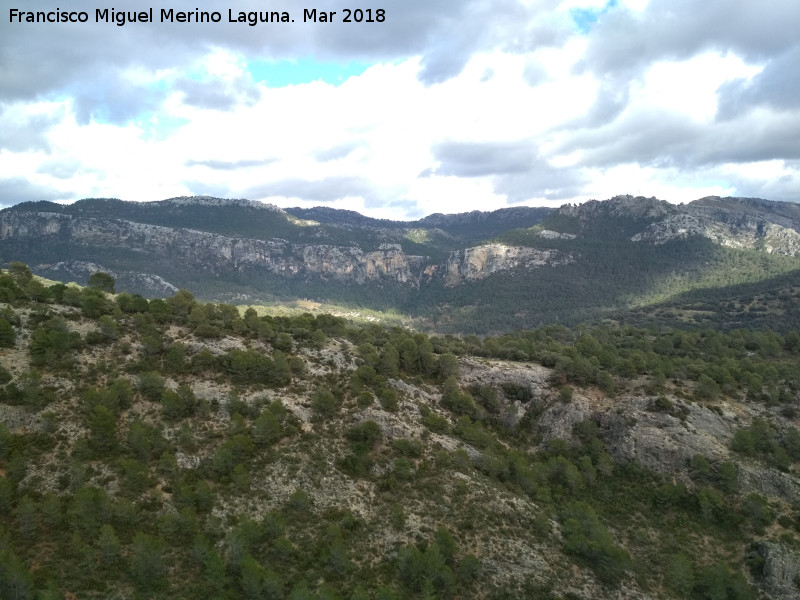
column 545, row 260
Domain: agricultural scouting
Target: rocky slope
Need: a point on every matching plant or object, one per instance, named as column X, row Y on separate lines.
column 204, row 251
column 572, row 264
column 169, row 431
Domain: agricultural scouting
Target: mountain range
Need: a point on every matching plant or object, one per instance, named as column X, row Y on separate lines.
column 474, row 272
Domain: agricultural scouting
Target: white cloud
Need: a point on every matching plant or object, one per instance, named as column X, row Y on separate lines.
column 632, row 106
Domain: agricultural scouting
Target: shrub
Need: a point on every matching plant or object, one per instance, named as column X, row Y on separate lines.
column 586, row 538
column 7, row 335
column 324, row 403
column 366, row 434
column 179, row 404
column 151, row 386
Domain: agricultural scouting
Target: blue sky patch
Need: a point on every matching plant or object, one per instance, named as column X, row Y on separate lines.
column 281, row 73
column 584, row 18
column 162, row 128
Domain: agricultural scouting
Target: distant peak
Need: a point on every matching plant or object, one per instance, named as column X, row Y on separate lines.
column 212, row 201
column 636, row 207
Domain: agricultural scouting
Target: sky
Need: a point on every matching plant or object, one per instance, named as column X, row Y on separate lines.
column 444, row 106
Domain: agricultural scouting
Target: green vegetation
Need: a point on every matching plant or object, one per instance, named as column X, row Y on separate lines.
column 178, row 448
column 599, row 274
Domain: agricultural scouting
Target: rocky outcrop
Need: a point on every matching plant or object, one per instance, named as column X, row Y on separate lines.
column 740, row 223
column 211, row 252
column 149, row 285
column 206, row 251
column 481, row 261
column 548, row 234
column 781, row 570
column 630, row 207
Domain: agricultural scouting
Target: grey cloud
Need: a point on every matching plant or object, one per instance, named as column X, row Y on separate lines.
column 26, row 133
column 445, row 62
column 218, row 95
column 541, row 181
column 464, row 159
column 322, row 190
column 752, row 139
column 612, row 99
column 505, row 24
column 224, row 165
column 60, row 168
column 335, row 152
column 785, row 188
column 622, row 41
column 40, row 59
column 667, row 141
column 14, row 190
column 410, row 209
column 652, row 138
column 516, row 169
column 113, row 99
column 777, row 86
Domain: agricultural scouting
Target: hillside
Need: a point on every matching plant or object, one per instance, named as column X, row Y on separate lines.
column 176, row 448
column 478, row 272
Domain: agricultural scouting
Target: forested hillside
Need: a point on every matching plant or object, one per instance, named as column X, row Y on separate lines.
column 478, row 272
column 178, row 448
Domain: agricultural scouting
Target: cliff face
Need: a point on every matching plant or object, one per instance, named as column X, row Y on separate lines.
column 741, row 223
column 210, row 252
column 470, row 264
column 568, row 265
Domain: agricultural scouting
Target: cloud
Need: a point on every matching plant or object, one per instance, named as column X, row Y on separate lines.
column 23, row 130
column 660, row 139
column 627, row 41
column 776, row 86
column 450, row 107
column 14, row 190
column 206, row 188
column 324, row 190
column 516, row 170
column 336, row 152
column 774, row 181
column 218, row 95
column 542, row 182
column 480, row 159
column 230, row 165
column 111, row 97
column 61, row 168
column 43, row 58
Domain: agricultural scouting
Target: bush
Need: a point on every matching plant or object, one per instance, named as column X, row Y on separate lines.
column 7, row 335
column 586, row 538
column 680, row 575
column 366, row 434
column 324, row 403
column 410, row 448
column 151, row 386
column 102, row 281
column 148, row 568
column 179, row 404
column 717, row 582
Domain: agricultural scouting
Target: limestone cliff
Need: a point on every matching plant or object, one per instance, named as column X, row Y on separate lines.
column 741, row 223
column 481, row 261
column 212, row 252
